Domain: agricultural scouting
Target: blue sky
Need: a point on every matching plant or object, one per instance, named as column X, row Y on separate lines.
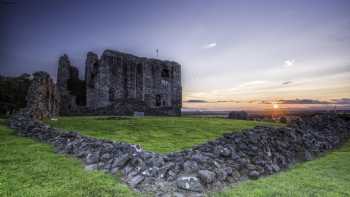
column 229, row 50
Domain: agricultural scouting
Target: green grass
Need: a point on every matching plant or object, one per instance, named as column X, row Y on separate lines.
column 29, row 168
column 328, row 176
column 159, row 134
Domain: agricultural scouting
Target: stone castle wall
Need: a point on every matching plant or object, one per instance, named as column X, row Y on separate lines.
column 42, row 97
column 66, row 72
column 120, row 83
column 118, row 76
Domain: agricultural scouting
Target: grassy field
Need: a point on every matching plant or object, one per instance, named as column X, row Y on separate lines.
column 159, row 134
column 29, row 168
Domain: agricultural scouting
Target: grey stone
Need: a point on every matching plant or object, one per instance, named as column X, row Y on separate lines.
column 190, row 166
column 200, row 158
column 206, row 176
column 92, row 158
column 235, row 174
column 106, row 156
column 136, row 180
column 275, row 167
column 250, row 167
column 307, row 155
column 195, row 195
column 127, row 170
column 91, row 167
column 121, row 161
column 189, row 183
column 254, row 174
column 114, row 170
column 177, row 194
column 225, row 152
column 158, row 161
column 222, row 174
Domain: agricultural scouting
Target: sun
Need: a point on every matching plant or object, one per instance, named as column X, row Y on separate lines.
column 275, row 106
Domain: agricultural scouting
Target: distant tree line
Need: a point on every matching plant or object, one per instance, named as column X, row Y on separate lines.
column 13, row 92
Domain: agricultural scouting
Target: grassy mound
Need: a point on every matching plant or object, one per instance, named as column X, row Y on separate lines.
column 158, row 134
column 29, row 168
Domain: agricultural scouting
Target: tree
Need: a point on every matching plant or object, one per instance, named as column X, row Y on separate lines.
column 13, row 92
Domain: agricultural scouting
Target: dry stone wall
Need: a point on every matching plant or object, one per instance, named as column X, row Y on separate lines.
column 235, row 157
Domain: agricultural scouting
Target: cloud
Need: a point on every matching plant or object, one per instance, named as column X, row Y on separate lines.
column 210, row 45
column 265, row 102
column 196, row 101
column 253, row 83
column 286, row 82
column 295, row 101
column 228, row 101
column 205, row 101
column 313, row 101
column 289, row 63
column 341, row 101
column 303, row 101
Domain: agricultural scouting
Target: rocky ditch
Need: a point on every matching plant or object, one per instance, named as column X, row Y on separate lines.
column 235, row 157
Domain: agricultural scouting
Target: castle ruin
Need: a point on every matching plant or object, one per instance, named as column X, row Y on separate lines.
column 120, row 84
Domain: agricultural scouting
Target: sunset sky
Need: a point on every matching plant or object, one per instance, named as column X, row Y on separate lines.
column 235, row 52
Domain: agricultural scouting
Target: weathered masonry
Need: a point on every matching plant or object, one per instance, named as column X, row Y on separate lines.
column 121, row 84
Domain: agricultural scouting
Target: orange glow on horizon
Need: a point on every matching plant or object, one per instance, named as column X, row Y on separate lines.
column 247, row 106
column 275, row 106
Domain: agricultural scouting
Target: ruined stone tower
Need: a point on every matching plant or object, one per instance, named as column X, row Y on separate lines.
column 70, row 87
column 121, row 84
column 42, row 98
